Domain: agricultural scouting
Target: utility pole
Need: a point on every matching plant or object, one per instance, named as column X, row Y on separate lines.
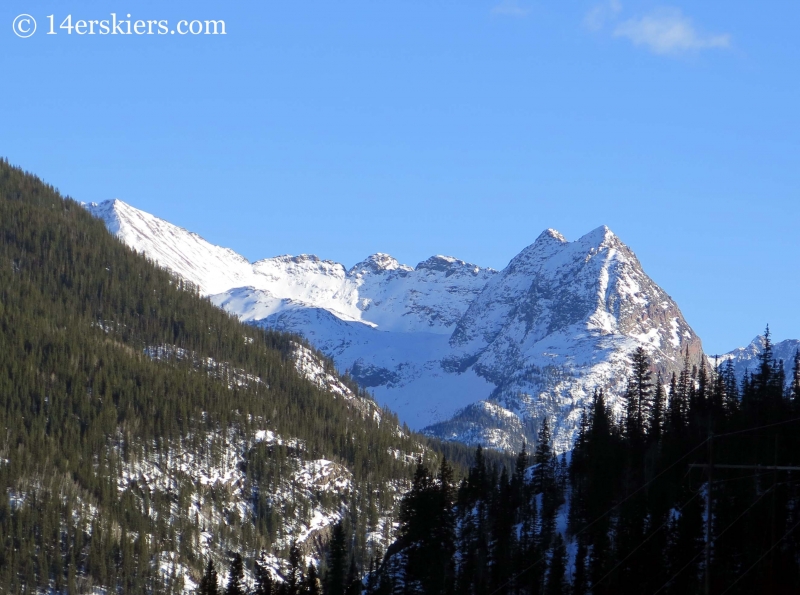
column 710, row 466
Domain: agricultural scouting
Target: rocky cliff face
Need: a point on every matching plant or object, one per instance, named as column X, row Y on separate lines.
column 465, row 352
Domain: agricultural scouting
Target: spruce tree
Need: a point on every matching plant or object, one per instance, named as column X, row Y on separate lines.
column 294, row 577
column 795, row 381
column 655, row 423
column 209, row 584
column 312, row 584
column 337, row 562
column 354, row 585
column 264, row 583
column 556, row 580
column 544, row 473
column 638, row 395
column 235, row 577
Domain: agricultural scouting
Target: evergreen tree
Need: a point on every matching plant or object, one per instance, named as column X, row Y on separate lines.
column 655, row 423
column 795, row 381
column 264, row 583
column 544, row 473
column 312, row 585
column 732, row 395
column 556, row 580
column 337, row 561
column 354, row 585
column 427, row 529
column 294, row 577
column 236, row 577
column 639, row 395
column 209, row 584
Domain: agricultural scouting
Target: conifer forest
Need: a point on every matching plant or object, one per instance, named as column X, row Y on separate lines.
column 114, row 373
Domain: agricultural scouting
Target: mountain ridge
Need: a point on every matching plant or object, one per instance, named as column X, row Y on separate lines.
column 534, row 338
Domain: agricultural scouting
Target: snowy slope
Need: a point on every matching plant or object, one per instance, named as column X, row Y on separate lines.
column 378, row 291
column 747, row 358
column 437, row 341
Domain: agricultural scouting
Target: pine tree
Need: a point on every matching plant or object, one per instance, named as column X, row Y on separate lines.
column 518, row 484
column 354, row 585
column 639, row 395
column 795, row 381
column 312, row 584
column 731, row 387
column 294, row 578
column 655, row 423
column 337, row 561
column 264, row 583
column 556, row 581
column 236, row 577
column 544, row 473
column 209, row 584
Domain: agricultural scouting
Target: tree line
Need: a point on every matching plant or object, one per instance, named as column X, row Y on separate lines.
column 80, row 402
column 626, row 513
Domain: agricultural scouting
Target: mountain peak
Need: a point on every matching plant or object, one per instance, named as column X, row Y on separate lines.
column 550, row 235
column 600, row 236
column 447, row 264
column 378, row 263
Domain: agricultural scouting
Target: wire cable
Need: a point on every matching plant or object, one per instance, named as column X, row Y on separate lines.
column 645, row 540
column 628, row 497
column 603, row 515
column 764, row 555
column 720, row 534
column 780, row 423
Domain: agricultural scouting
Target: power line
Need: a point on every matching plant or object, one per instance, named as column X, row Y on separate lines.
column 720, row 534
column 780, row 423
column 764, row 555
column 646, row 484
column 763, row 467
column 646, row 539
column 527, row 568
column 685, row 504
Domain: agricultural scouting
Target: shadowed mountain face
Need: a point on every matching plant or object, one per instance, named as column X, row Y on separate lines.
column 436, row 341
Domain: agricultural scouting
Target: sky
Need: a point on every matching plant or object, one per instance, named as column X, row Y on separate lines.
column 421, row 127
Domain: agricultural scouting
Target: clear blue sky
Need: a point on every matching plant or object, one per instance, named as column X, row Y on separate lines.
column 460, row 127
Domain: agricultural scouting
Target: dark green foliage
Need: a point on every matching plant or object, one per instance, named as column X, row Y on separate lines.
column 337, row 561
column 427, row 531
column 209, row 584
column 264, row 583
column 556, row 581
column 636, row 511
column 236, row 577
column 80, row 400
column 312, row 586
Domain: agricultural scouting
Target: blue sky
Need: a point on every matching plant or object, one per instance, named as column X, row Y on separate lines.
column 459, row 127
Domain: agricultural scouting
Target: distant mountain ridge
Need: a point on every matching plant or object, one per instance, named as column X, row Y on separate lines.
column 437, row 340
column 746, row 359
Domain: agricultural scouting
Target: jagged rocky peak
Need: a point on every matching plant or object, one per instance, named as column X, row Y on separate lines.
column 748, row 358
column 601, row 237
column 448, row 265
column 299, row 259
column 536, row 338
column 378, row 263
column 550, row 235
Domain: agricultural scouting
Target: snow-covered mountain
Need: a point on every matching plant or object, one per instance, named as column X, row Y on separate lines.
column 465, row 352
column 746, row 359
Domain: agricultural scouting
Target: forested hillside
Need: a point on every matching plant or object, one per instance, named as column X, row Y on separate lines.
column 145, row 431
column 628, row 513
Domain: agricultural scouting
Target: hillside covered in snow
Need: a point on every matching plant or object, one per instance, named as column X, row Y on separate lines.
column 146, row 431
column 460, row 351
